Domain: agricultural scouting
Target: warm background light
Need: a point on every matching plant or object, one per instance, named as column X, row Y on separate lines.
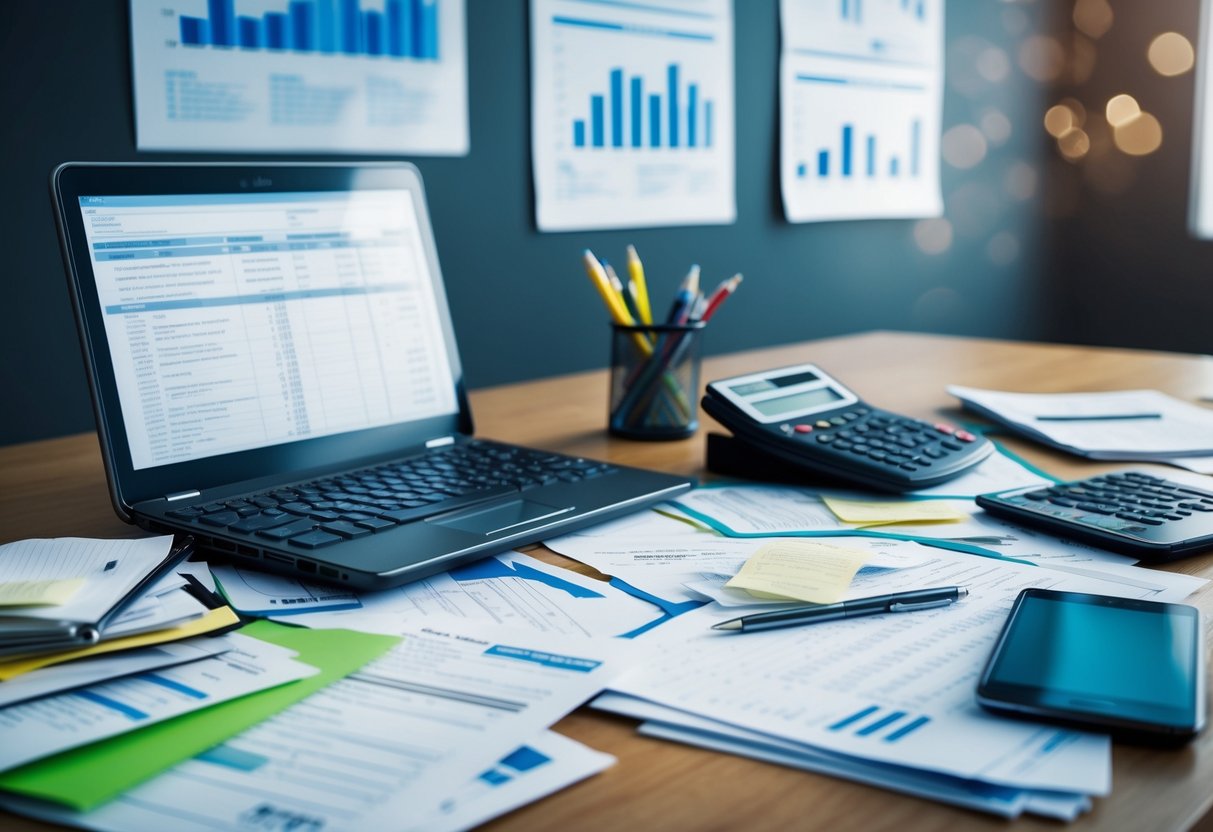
column 1139, row 135
column 1121, row 109
column 1171, row 54
column 1058, row 120
column 1093, row 17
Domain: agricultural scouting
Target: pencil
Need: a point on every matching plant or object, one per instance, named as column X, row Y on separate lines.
column 638, row 287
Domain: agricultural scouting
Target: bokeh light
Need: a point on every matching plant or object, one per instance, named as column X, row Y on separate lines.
column 1121, row 109
column 963, row 146
column 933, row 236
column 1074, row 144
column 1138, row 136
column 1093, row 17
column 1059, row 120
column 1041, row 58
column 1171, row 54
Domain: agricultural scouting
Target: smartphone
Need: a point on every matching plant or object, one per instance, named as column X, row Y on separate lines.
column 1135, row 669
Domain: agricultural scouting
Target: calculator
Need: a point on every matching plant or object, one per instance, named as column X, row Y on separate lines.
column 806, row 419
column 1130, row 512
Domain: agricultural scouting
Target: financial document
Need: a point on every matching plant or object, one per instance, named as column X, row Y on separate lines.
column 36, row 729
column 895, row 689
column 271, row 75
column 861, row 103
column 511, row 590
column 632, row 113
column 547, row 763
column 385, row 745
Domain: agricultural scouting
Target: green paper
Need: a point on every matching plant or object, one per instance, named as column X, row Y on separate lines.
column 93, row 774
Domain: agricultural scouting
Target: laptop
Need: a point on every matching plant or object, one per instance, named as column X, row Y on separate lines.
column 274, row 372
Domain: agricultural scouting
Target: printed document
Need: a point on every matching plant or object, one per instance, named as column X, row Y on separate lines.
column 632, row 113
column 895, row 689
column 251, row 75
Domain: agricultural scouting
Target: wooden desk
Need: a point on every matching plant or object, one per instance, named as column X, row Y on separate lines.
column 57, row 488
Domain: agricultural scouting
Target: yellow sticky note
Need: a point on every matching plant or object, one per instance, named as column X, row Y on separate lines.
column 213, row 620
column 803, row 570
column 39, row 593
column 884, row 512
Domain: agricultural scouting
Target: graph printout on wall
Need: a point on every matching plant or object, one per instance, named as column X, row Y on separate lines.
column 632, row 113
column 332, row 76
column 861, row 98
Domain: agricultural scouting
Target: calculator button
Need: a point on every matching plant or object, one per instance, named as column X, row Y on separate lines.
column 965, row 436
column 825, row 437
column 843, row 445
column 1150, row 520
column 822, row 423
column 1062, row 501
column 1037, row 495
column 950, row 445
column 877, row 455
column 850, row 415
column 944, row 428
column 837, row 421
column 1097, row 508
column 908, row 467
column 803, row 428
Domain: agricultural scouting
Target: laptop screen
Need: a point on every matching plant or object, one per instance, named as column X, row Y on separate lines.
column 248, row 320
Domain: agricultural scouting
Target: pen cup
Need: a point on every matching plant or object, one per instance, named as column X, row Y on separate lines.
column 655, row 380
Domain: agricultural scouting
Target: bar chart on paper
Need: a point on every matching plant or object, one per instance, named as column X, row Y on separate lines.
column 861, row 99
column 632, row 111
column 301, row 75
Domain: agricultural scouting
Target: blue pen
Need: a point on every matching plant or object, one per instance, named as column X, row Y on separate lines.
column 680, row 312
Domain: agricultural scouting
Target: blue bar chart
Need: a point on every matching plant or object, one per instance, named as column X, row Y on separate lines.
column 669, row 123
column 401, row 29
column 861, row 102
column 632, row 113
column 372, row 76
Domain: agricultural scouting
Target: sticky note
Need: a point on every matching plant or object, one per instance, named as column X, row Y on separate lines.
column 803, row 570
column 39, row 593
column 884, row 512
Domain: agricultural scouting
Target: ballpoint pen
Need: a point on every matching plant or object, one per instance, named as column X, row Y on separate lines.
column 919, row 599
column 719, row 296
column 681, row 309
column 1103, row 417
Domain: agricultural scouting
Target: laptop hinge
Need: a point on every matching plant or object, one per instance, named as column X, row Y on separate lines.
column 441, row 441
column 181, row 495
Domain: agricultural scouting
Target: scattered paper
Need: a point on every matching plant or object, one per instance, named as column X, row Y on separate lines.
column 33, row 730
column 88, row 776
column 213, row 620
column 39, row 593
column 254, row 592
column 803, row 570
column 880, row 512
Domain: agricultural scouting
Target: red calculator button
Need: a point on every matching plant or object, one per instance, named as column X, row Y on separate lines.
column 943, row 428
column 965, row 436
column 804, row 428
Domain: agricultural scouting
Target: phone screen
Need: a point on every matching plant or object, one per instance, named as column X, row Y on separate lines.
column 1110, row 660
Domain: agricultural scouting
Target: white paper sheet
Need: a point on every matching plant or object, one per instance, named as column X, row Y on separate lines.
column 254, row 592
column 110, row 569
column 328, row 77
column 895, row 689
column 1170, row 427
column 608, row 82
column 77, row 674
column 36, row 729
column 547, row 763
column 511, row 590
column 861, row 101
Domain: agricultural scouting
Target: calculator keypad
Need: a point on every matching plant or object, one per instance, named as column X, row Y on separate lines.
column 876, row 437
column 1129, row 501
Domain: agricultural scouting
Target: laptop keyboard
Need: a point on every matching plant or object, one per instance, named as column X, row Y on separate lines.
column 348, row 506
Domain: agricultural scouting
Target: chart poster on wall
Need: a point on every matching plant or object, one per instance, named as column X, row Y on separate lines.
column 328, row 76
column 632, row 113
column 861, row 100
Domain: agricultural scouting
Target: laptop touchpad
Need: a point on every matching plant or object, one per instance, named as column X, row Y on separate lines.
column 502, row 517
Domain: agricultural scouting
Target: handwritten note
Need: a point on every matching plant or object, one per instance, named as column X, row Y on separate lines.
column 883, row 512
column 39, row 593
column 802, row 570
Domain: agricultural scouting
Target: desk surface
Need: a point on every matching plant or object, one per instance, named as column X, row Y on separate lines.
column 57, row 488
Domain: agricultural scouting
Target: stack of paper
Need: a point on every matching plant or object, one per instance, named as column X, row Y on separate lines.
column 887, row 701
column 1140, row 425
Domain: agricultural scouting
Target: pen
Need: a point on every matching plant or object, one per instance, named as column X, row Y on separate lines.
column 1105, row 417
column 919, row 599
column 629, row 301
column 719, row 296
column 681, row 310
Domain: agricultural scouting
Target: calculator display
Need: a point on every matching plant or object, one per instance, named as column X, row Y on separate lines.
column 796, row 402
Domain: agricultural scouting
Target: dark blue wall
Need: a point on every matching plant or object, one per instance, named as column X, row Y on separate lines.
column 521, row 303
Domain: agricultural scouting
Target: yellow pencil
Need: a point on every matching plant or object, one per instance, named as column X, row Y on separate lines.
column 640, row 289
column 614, row 304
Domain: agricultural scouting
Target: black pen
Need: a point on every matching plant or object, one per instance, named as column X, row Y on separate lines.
column 918, row 599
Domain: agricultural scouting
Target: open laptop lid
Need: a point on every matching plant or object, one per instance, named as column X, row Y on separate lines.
column 245, row 321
